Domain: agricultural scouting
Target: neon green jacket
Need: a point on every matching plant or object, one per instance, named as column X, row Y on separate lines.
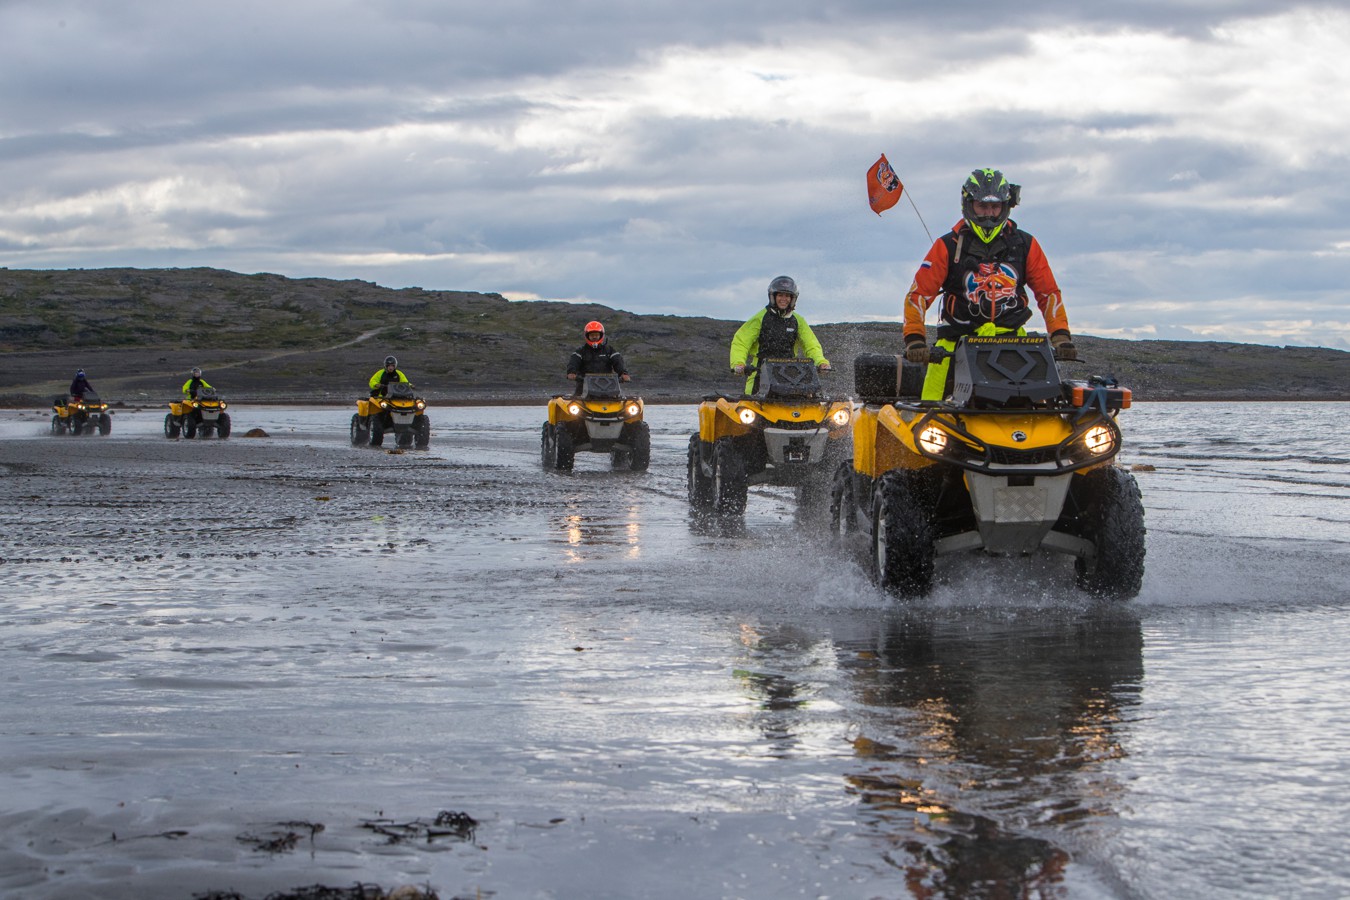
column 378, row 380
column 190, row 390
column 745, row 344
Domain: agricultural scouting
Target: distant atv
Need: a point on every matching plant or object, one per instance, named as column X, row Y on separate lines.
column 198, row 417
column 82, row 415
column 792, row 434
column 598, row 420
column 400, row 411
column 1016, row 462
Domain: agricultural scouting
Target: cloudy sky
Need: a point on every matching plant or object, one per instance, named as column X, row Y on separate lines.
column 1185, row 164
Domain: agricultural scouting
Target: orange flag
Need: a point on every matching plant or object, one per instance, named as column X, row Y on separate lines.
column 883, row 187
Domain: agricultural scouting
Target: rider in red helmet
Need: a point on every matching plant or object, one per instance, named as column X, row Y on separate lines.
column 595, row 357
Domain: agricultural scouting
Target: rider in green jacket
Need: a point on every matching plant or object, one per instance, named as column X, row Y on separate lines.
column 775, row 332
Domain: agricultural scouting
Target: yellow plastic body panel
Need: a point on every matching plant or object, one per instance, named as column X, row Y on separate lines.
column 721, row 417
column 559, row 408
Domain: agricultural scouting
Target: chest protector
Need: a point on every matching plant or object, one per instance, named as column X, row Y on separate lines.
column 985, row 282
column 777, row 336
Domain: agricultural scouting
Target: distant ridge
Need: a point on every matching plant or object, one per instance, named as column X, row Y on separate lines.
column 267, row 337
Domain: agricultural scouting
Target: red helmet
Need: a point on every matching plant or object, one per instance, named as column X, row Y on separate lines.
column 593, row 327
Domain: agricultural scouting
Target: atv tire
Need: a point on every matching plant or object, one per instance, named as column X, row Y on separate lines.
column 223, row 426
column 902, row 536
column 1114, row 519
column 843, row 513
column 547, row 450
column 105, row 425
column 360, row 430
column 563, row 453
column 640, row 456
column 421, row 432
column 376, row 432
column 729, row 483
column 189, row 427
column 700, row 486
column 171, row 426
column 58, row 427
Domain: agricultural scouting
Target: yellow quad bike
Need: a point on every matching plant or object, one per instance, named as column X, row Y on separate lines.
column 788, row 434
column 600, row 420
column 399, row 411
column 198, row 417
column 1016, row 462
column 84, row 415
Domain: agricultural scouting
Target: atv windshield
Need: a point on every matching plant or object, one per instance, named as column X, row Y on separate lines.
column 601, row 387
column 789, row 379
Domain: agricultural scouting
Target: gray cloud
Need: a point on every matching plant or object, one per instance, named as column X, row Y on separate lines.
column 673, row 157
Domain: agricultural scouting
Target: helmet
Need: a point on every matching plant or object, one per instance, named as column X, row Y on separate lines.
column 391, row 361
column 988, row 186
column 79, row 373
column 594, row 326
column 783, row 285
column 196, row 372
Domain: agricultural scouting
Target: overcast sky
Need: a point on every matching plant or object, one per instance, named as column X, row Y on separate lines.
column 1185, row 164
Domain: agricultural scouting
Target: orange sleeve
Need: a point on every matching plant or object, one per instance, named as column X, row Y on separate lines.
column 1042, row 283
column 925, row 288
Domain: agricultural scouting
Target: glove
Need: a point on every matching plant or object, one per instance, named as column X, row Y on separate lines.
column 824, row 367
column 739, row 369
column 916, row 351
column 1062, row 343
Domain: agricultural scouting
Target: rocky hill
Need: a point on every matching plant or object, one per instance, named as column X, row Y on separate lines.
column 265, row 337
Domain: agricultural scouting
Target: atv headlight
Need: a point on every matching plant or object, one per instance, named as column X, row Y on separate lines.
column 384, row 404
column 574, row 409
column 224, row 405
column 632, row 410
column 933, row 439
column 1099, row 439
column 840, row 417
column 747, row 416
column 421, row 405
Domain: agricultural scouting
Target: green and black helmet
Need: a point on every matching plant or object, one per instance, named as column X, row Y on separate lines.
column 988, row 186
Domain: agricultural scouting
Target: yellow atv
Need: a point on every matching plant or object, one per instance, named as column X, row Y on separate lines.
column 789, row 434
column 601, row 420
column 399, row 411
column 198, row 417
column 81, row 415
column 1015, row 462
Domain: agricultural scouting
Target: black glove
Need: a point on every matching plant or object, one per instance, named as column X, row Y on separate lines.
column 916, row 351
column 1062, row 343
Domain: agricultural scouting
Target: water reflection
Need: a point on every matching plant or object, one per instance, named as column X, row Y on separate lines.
column 981, row 741
column 622, row 531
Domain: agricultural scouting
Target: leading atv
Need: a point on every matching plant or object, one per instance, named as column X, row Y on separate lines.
column 790, row 434
column 598, row 420
column 1015, row 462
column 81, row 415
column 198, row 416
column 399, row 411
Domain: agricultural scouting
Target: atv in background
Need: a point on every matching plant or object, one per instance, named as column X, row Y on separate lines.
column 790, row 434
column 598, row 420
column 200, row 416
column 399, row 411
column 81, row 415
column 1015, row 462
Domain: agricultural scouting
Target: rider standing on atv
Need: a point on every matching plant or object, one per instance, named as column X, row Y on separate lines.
column 80, row 386
column 775, row 332
column 982, row 268
column 595, row 357
column 194, row 383
column 382, row 377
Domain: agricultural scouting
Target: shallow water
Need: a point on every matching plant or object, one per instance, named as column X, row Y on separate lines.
column 209, row 646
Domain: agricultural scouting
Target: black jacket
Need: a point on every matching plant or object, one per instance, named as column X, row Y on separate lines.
column 588, row 360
